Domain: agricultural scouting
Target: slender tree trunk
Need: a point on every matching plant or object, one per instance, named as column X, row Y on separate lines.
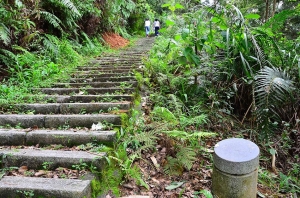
column 274, row 8
column 267, row 10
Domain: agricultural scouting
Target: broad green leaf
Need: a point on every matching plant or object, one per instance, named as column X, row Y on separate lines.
column 185, row 33
column 168, row 22
column 252, row 16
column 199, row 44
column 172, row 8
column 215, row 20
column 272, row 151
column 174, row 185
column 191, row 56
column 178, row 6
column 182, row 60
column 177, row 37
column 223, row 27
column 165, row 5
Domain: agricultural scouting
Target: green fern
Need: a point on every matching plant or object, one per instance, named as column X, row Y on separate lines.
column 134, row 173
column 52, row 19
column 7, row 57
column 197, row 121
column 51, row 44
column 88, row 40
column 72, row 7
column 4, row 34
column 173, row 166
column 186, row 156
column 164, row 114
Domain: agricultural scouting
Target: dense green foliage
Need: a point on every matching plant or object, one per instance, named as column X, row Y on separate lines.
column 214, row 69
column 223, row 62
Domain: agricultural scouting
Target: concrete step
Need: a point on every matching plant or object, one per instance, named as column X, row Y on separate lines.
column 34, row 159
column 11, row 187
column 110, row 65
column 99, row 71
column 79, row 98
column 103, row 79
column 102, row 75
column 116, row 68
column 85, row 91
column 16, row 137
column 114, row 64
column 57, row 121
column 96, row 84
column 72, row 108
column 113, row 61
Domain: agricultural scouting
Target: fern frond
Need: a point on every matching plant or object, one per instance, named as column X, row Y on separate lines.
column 201, row 134
column 72, row 7
column 146, row 140
column 176, row 103
column 7, row 57
column 52, row 19
column 88, row 40
column 173, row 167
column 51, row 44
column 186, row 156
column 164, row 114
column 4, row 34
column 135, row 174
column 179, row 135
column 198, row 120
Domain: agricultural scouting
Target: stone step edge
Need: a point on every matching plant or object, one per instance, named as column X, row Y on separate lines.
column 72, row 108
column 28, row 137
column 80, row 98
column 56, row 121
column 35, row 158
column 11, row 186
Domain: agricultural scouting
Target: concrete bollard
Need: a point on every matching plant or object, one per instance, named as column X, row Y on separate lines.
column 235, row 170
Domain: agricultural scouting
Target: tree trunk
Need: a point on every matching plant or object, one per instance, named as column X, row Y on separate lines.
column 274, row 8
column 267, row 10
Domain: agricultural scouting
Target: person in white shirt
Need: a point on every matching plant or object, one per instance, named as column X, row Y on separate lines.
column 147, row 27
column 156, row 26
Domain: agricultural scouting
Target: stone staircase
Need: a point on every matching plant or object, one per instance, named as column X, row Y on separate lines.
column 95, row 94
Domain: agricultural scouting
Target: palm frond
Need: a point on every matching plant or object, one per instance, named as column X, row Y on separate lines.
column 259, row 52
column 273, row 88
column 4, row 34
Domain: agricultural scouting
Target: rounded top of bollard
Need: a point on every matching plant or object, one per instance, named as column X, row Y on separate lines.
column 236, row 156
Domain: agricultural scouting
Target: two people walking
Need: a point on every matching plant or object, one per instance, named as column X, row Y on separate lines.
column 156, row 25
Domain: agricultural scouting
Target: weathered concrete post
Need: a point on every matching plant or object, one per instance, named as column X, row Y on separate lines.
column 235, row 170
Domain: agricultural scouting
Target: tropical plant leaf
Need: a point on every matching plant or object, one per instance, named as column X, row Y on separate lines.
column 273, row 89
column 174, row 185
